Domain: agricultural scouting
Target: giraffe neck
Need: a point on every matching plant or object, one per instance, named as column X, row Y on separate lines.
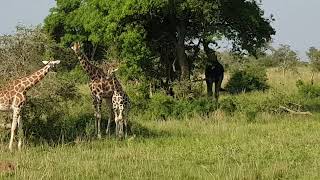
column 113, row 83
column 116, row 84
column 86, row 65
column 35, row 77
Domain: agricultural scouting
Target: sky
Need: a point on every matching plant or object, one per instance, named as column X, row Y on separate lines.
column 297, row 21
column 27, row 12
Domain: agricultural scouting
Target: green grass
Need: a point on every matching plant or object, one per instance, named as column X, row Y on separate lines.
column 273, row 146
column 276, row 147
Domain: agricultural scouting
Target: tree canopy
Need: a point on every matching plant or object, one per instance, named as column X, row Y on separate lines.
column 314, row 57
column 159, row 39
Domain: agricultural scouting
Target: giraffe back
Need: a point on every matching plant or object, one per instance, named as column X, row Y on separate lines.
column 120, row 100
column 104, row 87
column 12, row 95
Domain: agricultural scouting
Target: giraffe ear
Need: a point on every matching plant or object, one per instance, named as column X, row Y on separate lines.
column 57, row 61
column 45, row 62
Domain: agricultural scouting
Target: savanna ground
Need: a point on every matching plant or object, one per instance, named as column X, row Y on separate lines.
column 218, row 146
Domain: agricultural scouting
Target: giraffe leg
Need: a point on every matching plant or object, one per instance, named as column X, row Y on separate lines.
column 120, row 120
column 125, row 120
column 116, row 119
column 111, row 117
column 209, row 88
column 127, row 115
column 99, row 119
column 108, row 127
column 16, row 113
column 20, row 132
column 117, row 125
column 121, row 128
column 217, row 87
column 125, row 127
column 97, row 113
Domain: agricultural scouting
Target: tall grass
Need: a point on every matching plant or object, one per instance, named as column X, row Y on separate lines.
column 287, row 83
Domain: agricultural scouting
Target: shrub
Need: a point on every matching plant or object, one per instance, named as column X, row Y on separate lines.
column 139, row 97
column 248, row 79
column 228, row 105
column 45, row 114
column 182, row 89
column 160, row 106
column 203, row 106
column 76, row 75
column 163, row 107
column 308, row 90
column 190, row 107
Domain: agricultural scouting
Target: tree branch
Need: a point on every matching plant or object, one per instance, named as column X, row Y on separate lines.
column 295, row 112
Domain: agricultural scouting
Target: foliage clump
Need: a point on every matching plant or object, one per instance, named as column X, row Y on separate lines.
column 47, row 116
column 152, row 36
column 163, row 107
column 308, row 90
column 229, row 105
column 248, row 79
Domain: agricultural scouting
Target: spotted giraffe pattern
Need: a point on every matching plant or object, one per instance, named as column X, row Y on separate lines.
column 101, row 86
column 13, row 97
column 121, row 107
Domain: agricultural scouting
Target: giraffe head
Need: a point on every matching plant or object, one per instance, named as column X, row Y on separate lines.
column 76, row 47
column 110, row 68
column 51, row 63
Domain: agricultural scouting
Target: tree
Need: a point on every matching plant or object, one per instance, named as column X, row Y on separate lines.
column 287, row 58
column 23, row 52
column 314, row 57
column 153, row 36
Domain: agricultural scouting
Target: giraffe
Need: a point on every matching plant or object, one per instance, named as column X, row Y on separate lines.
column 13, row 97
column 214, row 74
column 121, row 106
column 101, row 86
column 214, row 71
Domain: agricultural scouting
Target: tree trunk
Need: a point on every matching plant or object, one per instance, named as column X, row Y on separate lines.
column 178, row 29
column 181, row 55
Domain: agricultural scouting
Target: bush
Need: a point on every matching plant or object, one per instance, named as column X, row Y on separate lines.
column 76, row 75
column 248, row 79
column 191, row 107
column 254, row 103
column 163, row 107
column 139, row 97
column 308, row 90
column 45, row 114
column 228, row 105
